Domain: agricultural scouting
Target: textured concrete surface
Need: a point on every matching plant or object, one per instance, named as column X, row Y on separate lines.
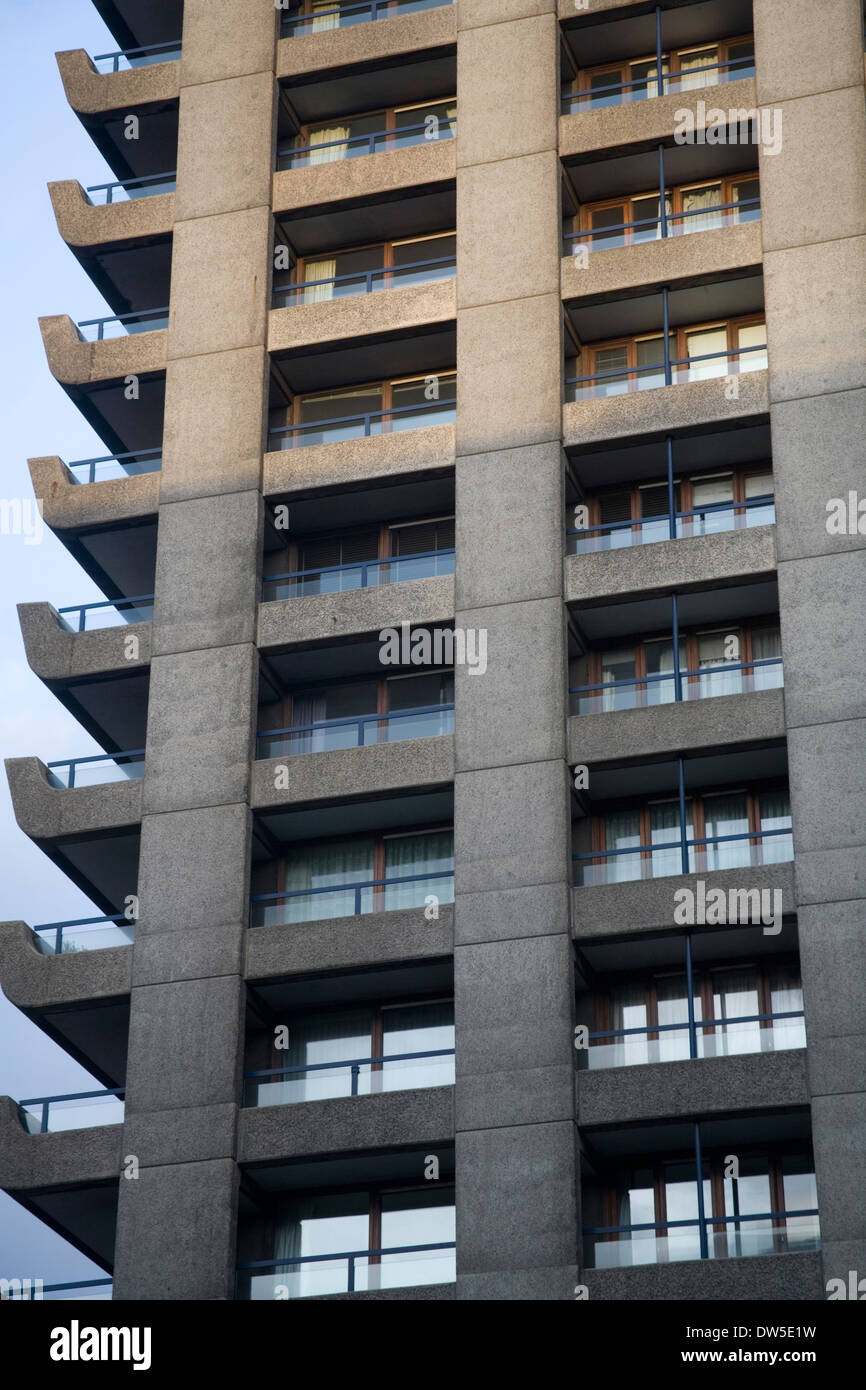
column 646, row 122
column 89, row 91
column 665, row 409
column 759, row 1279
column 82, row 223
column 690, row 562
column 68, row 506
column 342, row 943
column 74, row 362
column 32, row 1161
column 382, row 311
column 56, row 654
column 612, row 909
column 389, row 37
column 419, row 601
column 726, row 719
column 34, row 981
column 45, row 812
column 365, row 176
column 358, row 460
column 351, row 1124
column 378, row 768
column 662, row 262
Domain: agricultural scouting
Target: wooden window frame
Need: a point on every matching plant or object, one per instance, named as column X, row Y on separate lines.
column 388, row 130
column 674, row 193
column 387, row 247
column 590, row 351
column 671, row 68
column 386, row 396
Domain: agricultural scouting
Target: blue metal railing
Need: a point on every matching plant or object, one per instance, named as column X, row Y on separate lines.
column 355, row 888
column 142, row 184
column 365, row 278
column 660, row 222
column 683, row 844
column 38, row 1291
column 675, row 678
column 363, row 419
column 47, row 1101
column 667, row 84
column 355, row 1063
column 359, row 13
column 359, row 723
column 445, row 129
column 703, row 1225
column 152, row 464
column 691, row 1027
column 141, row 57
column 133, row 757
column 57, row 929
column 639, row 525
column 139, row 321
column 364, row 568
column 349, row 1255
column 120, row 605
column 631, row 375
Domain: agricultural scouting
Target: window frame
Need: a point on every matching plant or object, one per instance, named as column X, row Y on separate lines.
column 671, row 69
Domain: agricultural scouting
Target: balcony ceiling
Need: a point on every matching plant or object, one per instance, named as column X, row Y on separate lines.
column 699, row 451
column 349, row 91
column 413, row 352
column 367, row 817
column 135, row 25
column 595, row 39
column 120, row 559
column 730, row 767
column 357, row 222
column 702, row 300
column 433, row 978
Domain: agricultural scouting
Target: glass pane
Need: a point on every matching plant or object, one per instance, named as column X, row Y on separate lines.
column 754, row 335
column 644, row 76
column 735, row 996
column 432, row 259
column 427, row 860
column 726, row 815
column 747, row 191
column 340, row 406
column 647, row 213
column 699, row 69
column 409, row 1219
column 681, row 1197
column 747, row 1195
column 428, row 401
column 697, row 208
column 315, row 1226
column 775, row 809
column 433, row 689
column 665, row 831
column 608, row 362
column 323, row 869
column 616, row 665
column 622, row 831
column 711, row 345
column 438, row 121
column 801, row 1194
column 660, row 661
column 741, row 61
column 673, row 1007
column 417, row 1028
column 601, row 218
column 650, row 360
column 606, row 89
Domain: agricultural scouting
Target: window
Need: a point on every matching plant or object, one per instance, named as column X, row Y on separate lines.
column 684, row 69
column 688, row 208
column 696, row 354
column 365, row 269
column 327, row 417
column 356, row 713
column 366, row 557
column 371, row 132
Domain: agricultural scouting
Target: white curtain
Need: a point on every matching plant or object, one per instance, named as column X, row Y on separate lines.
column 621, row 831
column 327, row 135
column 327, row 866
column 628, row 1010
column 713, row 652
column 695, row 200
column 319, row 270
column 407, row 855
column 690, row 79
column 324, row 21
column 727, row 815
column 776, row 815
column 735, row 995
column 665, row 830
column 767, row 646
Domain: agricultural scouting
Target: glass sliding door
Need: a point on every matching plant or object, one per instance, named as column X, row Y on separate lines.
column 415, row 857
column 324, row 869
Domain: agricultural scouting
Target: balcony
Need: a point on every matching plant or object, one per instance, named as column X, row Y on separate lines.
column 345, row 274
column 98, row 769
column 79, row 1291
column 316, row 18
column 365, row 411
column 618, row 84
column 430, row 721
column 697, row 354
column 127, row 59
column 84, row 934
column 81, row 1110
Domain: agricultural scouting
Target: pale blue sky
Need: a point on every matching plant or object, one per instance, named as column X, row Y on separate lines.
column 45, row 142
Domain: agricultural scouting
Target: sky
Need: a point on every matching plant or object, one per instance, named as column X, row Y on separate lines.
column 45, row 142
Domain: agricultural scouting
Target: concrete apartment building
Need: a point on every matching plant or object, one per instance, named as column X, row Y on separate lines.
column 442, row 316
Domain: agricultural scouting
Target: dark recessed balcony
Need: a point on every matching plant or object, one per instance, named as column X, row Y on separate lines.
column 387, row 407
column 365, row 270
column 316, row 16
column 377, row 132
column 635, row 219
column 701, row 352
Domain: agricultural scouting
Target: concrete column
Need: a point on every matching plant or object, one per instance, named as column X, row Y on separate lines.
column 515, row 1133
column 813, row 194
column 177, row 1220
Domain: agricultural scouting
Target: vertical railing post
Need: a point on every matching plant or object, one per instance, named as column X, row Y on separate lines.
column 672, row 513
column 350, row 1278
column 681, row 790
column 81, row 619
column 70, row 781
column 663, row 212
column 660, row 81
column 58, row 942
column 699, row 1175
column 356, row 1071
column 44, row 1122
column 675, row 625
column 666, row 316
column 693, row 1036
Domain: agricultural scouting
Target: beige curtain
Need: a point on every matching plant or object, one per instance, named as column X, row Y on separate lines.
column 695, row 200
column 324, row 21
column 689, row 79
column 328, row 136
column 319, row 270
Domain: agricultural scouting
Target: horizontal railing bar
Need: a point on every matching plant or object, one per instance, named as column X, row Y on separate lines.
column 674, row 362
column 685, row 1026
column 351, row 1062
column 762, row 501
column 131, row 183
column 655, row 221
column 384, row 271
column 75, row 1095
column 78, row 1284
column 100, row 758
column 343, row 887
column 347, row 1255
column 698, row 1221
column 122, row 318
column 85, row 922
column 107, row 603
column 129, row 52
column 366, row 415
column 653, row 79
column 672, row 675
column 356, row 565
column 390, row 135
column 358, row 719
column 116, row 458
column 678, row 844
column 296, row 20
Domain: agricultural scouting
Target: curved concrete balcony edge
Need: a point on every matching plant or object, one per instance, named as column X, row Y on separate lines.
column 366, row 43
column 67, row 1159
column 365, row 175
column 652, row 121
column 697, row 1089
column 664, row 261
column 665, row 409
column 74, row 361
column 89, row 91
column 56, row 654
column 50, row 813
column 354, row 461
column 348, row 943
column 723, row 720
column 356, row 316
column 626, row 909
column 288, row 621
column 346, row 1124
column 381, row 767
column 71, row 506
column 794, row 1278
column 37, row 982
column 85, row 224
column 690, row 562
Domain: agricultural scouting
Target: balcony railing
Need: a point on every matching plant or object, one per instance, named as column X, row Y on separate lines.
column 368, row 281
column 669, row 84
column 126, row 58
column 622, row 380
column 700, row 521
column 690, row 1039
column 426, row 721
column 105, row 767
column 667, row 224
column 664, row 688
column 377, row 142
column 116, row 612
column 343, row 15
column 684, row 856
column 350, row 1271
column 352, row 1077
column 144, row 321
column 143, row 187
column 80, row 1110
column 81, row 1290
column 84, row 934
column 353, row 899
column 362, row 426
column 694, row 1238
column 331, row 579
column 116, row 466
